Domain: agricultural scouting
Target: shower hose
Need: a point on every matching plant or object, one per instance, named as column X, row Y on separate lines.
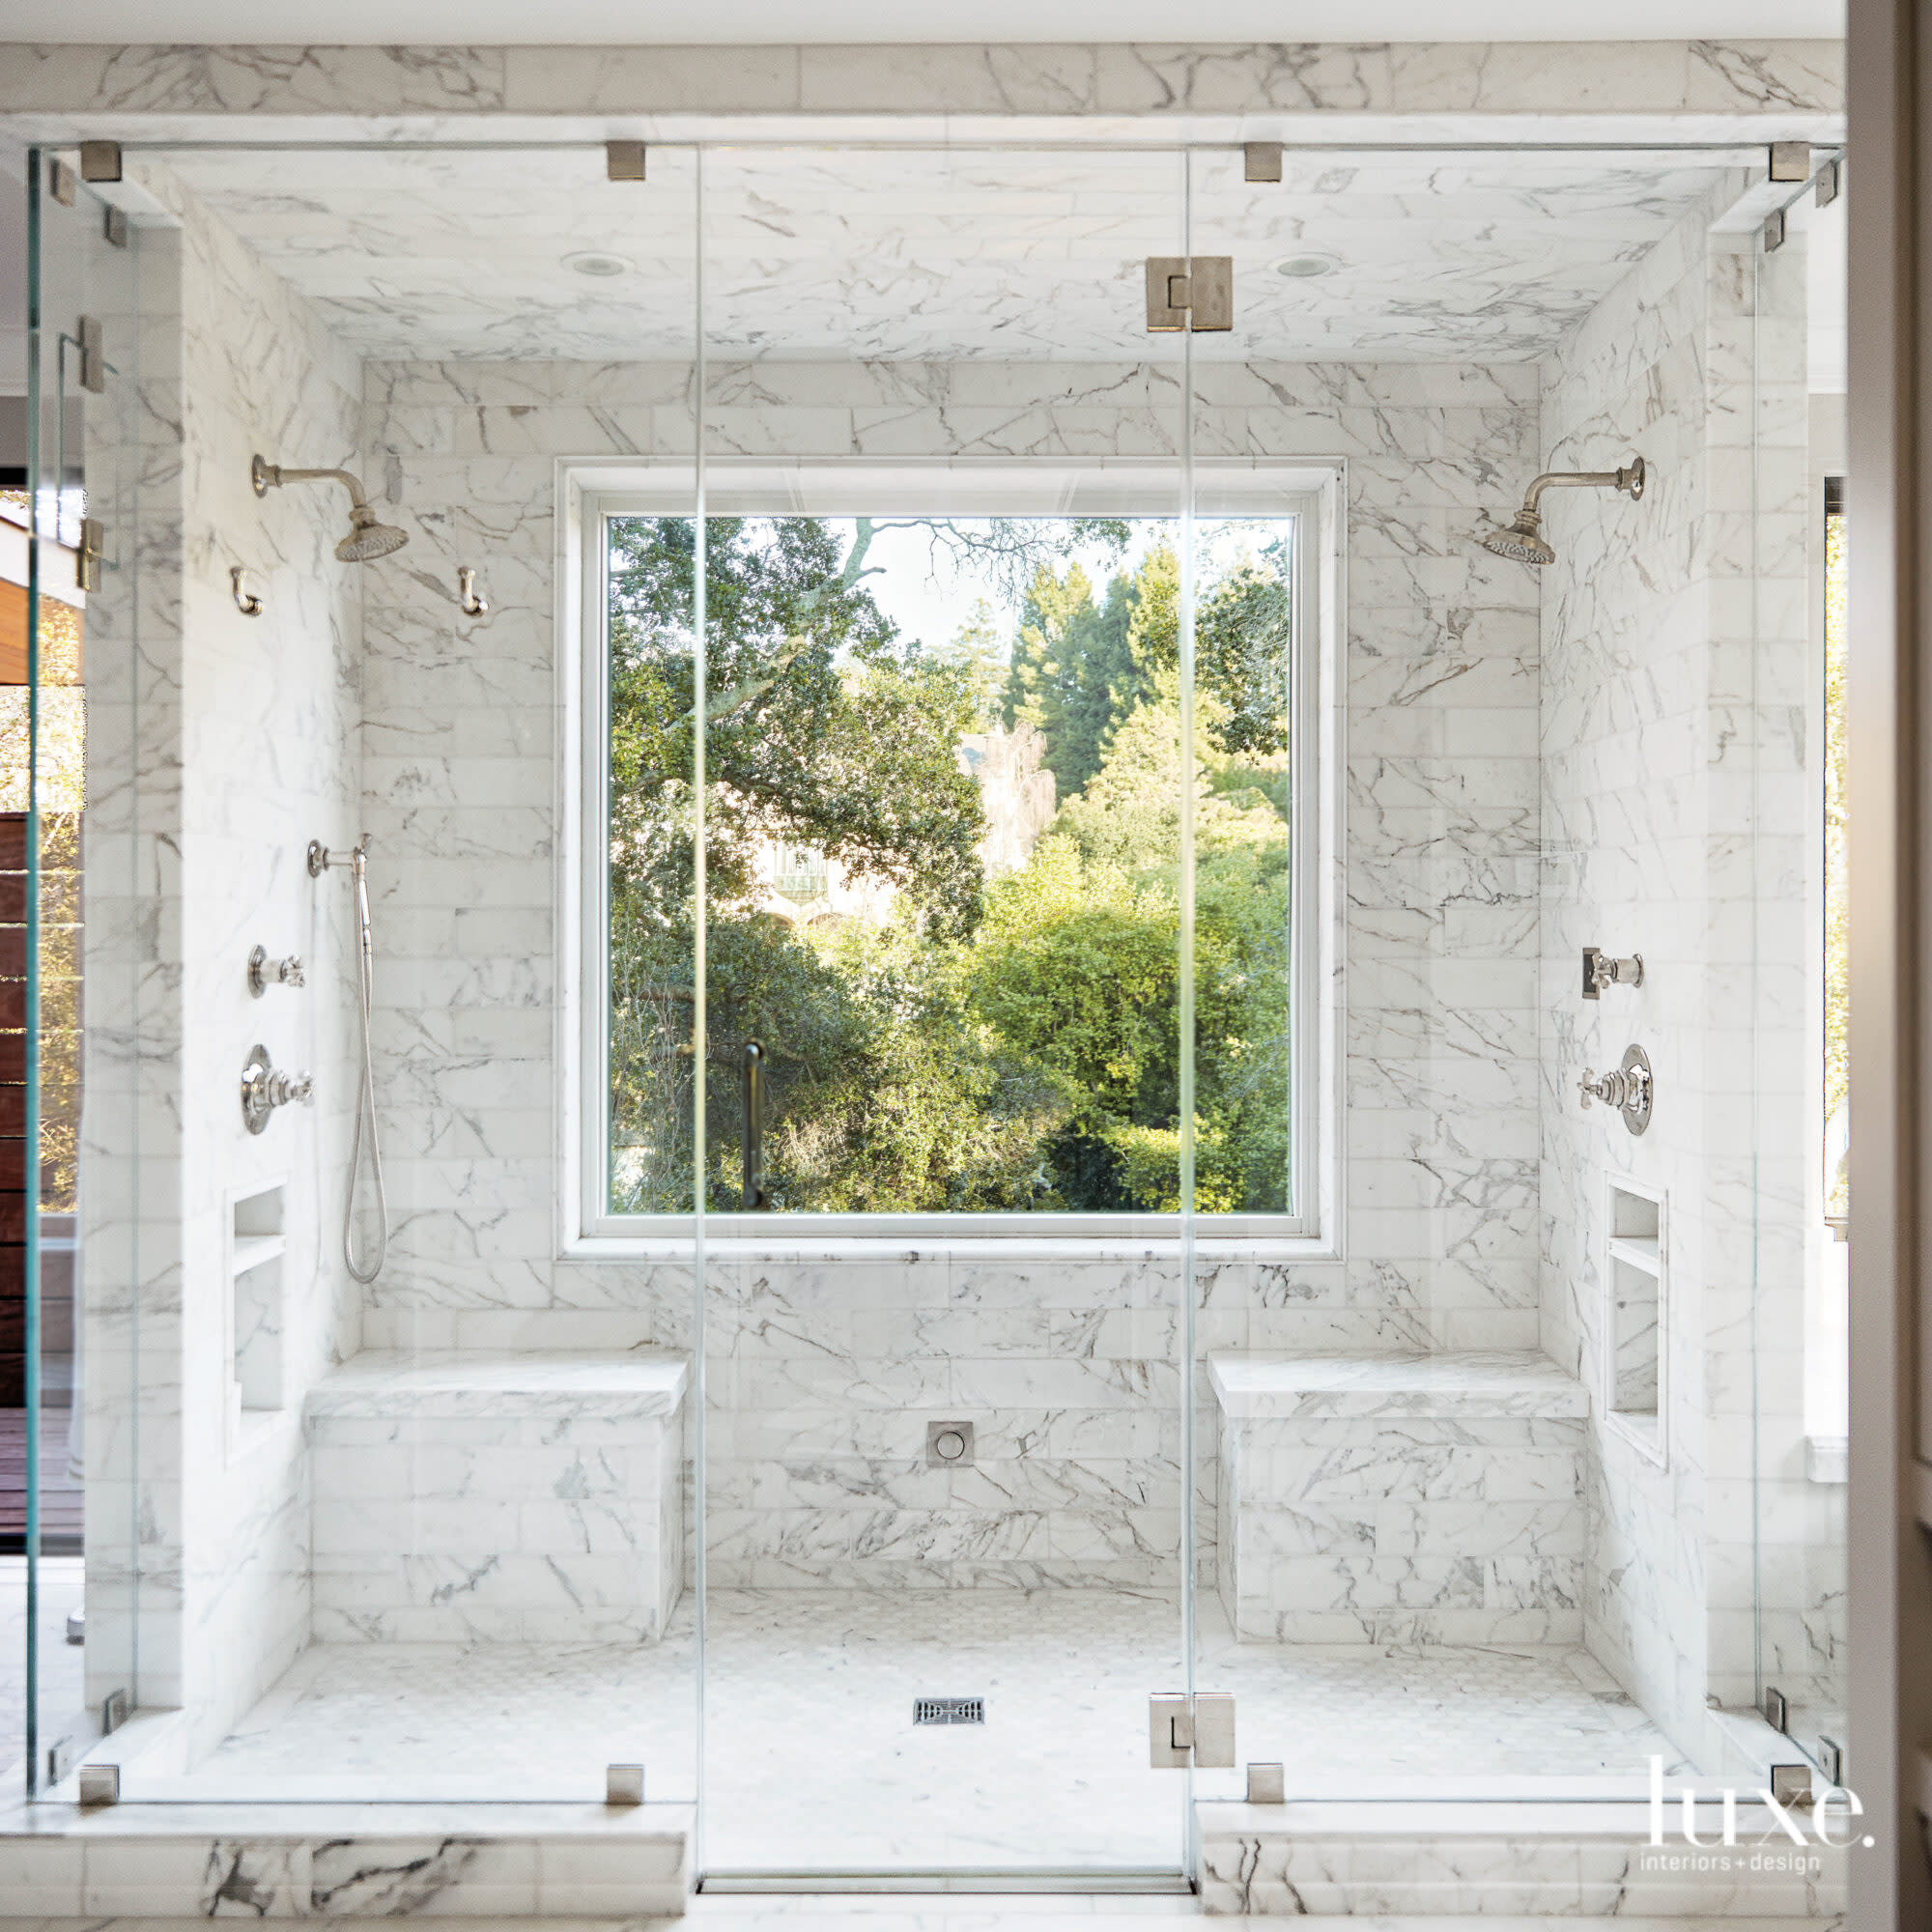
column 366, row 1271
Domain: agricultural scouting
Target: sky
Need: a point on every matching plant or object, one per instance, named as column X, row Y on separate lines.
column 930, row 597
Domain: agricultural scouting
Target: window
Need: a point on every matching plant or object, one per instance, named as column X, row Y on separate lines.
column 943, row 837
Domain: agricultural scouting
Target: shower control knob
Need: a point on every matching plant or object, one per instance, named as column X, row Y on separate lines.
column 264, row 972
column 265, row 1086
column 1627, row 1088
column 1609, row 1088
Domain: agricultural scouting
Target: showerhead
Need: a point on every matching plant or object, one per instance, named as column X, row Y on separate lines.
column 1523, row 541
column 367, row 539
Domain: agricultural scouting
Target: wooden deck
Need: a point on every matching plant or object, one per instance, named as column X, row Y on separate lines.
column 60, row 1500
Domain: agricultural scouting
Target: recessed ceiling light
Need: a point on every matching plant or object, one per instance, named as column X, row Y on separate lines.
column 596, row 262
column 1301, row 267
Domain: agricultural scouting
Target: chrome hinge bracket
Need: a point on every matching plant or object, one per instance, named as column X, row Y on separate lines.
column 1197, row 1731
column 1184, row 292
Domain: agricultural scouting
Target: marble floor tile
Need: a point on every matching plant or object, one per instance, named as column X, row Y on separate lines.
column 814, row 1763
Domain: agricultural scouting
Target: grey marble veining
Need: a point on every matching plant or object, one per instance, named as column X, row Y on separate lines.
column 940, row 256
column 1400, row 1500
column 1522, row 1862
column 258, row 1860
column 508, row 1499
column 1656, row 78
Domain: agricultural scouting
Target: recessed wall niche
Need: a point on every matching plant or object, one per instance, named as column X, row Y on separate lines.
column 256, row 1245
column 1635, row 1317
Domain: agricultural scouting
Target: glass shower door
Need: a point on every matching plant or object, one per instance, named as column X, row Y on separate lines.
column 942, row 1529
column 71, row 1085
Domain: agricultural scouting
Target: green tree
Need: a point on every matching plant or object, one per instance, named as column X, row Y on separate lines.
column 1073, row 673
column 822, row 728
column 1010, row 1047
column 1243, row 628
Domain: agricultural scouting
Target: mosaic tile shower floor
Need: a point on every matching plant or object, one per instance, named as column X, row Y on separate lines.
column 814, row 1762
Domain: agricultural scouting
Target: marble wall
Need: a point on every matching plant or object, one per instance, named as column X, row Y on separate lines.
column 826, row 1365
column 246, row 734
column 1674, row 796
column 1661, row 78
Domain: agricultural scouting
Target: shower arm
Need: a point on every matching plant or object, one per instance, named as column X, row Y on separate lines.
column 1630, row 481
column 267, row 476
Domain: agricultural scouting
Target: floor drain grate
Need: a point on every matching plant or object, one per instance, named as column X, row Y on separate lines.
column 949, row 1710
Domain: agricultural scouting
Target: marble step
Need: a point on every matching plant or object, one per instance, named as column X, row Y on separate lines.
column 181, row 1861
column 1403, row 1861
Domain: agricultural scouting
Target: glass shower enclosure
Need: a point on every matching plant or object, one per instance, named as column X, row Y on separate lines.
column 977, row 1025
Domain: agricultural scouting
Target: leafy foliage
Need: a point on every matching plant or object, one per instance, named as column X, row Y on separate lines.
column 1011, row 1045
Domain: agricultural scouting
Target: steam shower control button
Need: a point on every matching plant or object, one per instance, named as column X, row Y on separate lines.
column 1600, row 970
column 265, row 1086
column 949, row 1445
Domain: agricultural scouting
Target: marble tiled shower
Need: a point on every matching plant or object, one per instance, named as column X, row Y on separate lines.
column 460, row 1556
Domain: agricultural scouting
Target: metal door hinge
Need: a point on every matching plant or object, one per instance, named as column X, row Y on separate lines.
column 87, row 559
column 101, row 160
column 93, row 363
column 1196, row 294
column 624, row 160
column 1790, row 162
column 1197, row 1730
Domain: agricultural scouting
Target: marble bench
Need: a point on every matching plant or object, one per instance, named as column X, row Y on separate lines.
column 1400, row 1498
column 534, row 1498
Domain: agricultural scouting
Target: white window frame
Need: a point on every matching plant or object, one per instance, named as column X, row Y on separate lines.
column 1313, row 492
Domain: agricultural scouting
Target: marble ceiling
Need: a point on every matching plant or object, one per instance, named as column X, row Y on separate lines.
column 918, row 255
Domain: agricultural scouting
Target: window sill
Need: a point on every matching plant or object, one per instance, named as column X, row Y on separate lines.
column 912, row 1242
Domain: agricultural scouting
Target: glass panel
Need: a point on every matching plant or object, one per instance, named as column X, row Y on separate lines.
column 1480, row 1454
column 945, row 609
column 69, row 820
column 420, row 1485
column 1800, row 1333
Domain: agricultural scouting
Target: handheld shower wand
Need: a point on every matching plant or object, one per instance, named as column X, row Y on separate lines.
column 319, row 860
